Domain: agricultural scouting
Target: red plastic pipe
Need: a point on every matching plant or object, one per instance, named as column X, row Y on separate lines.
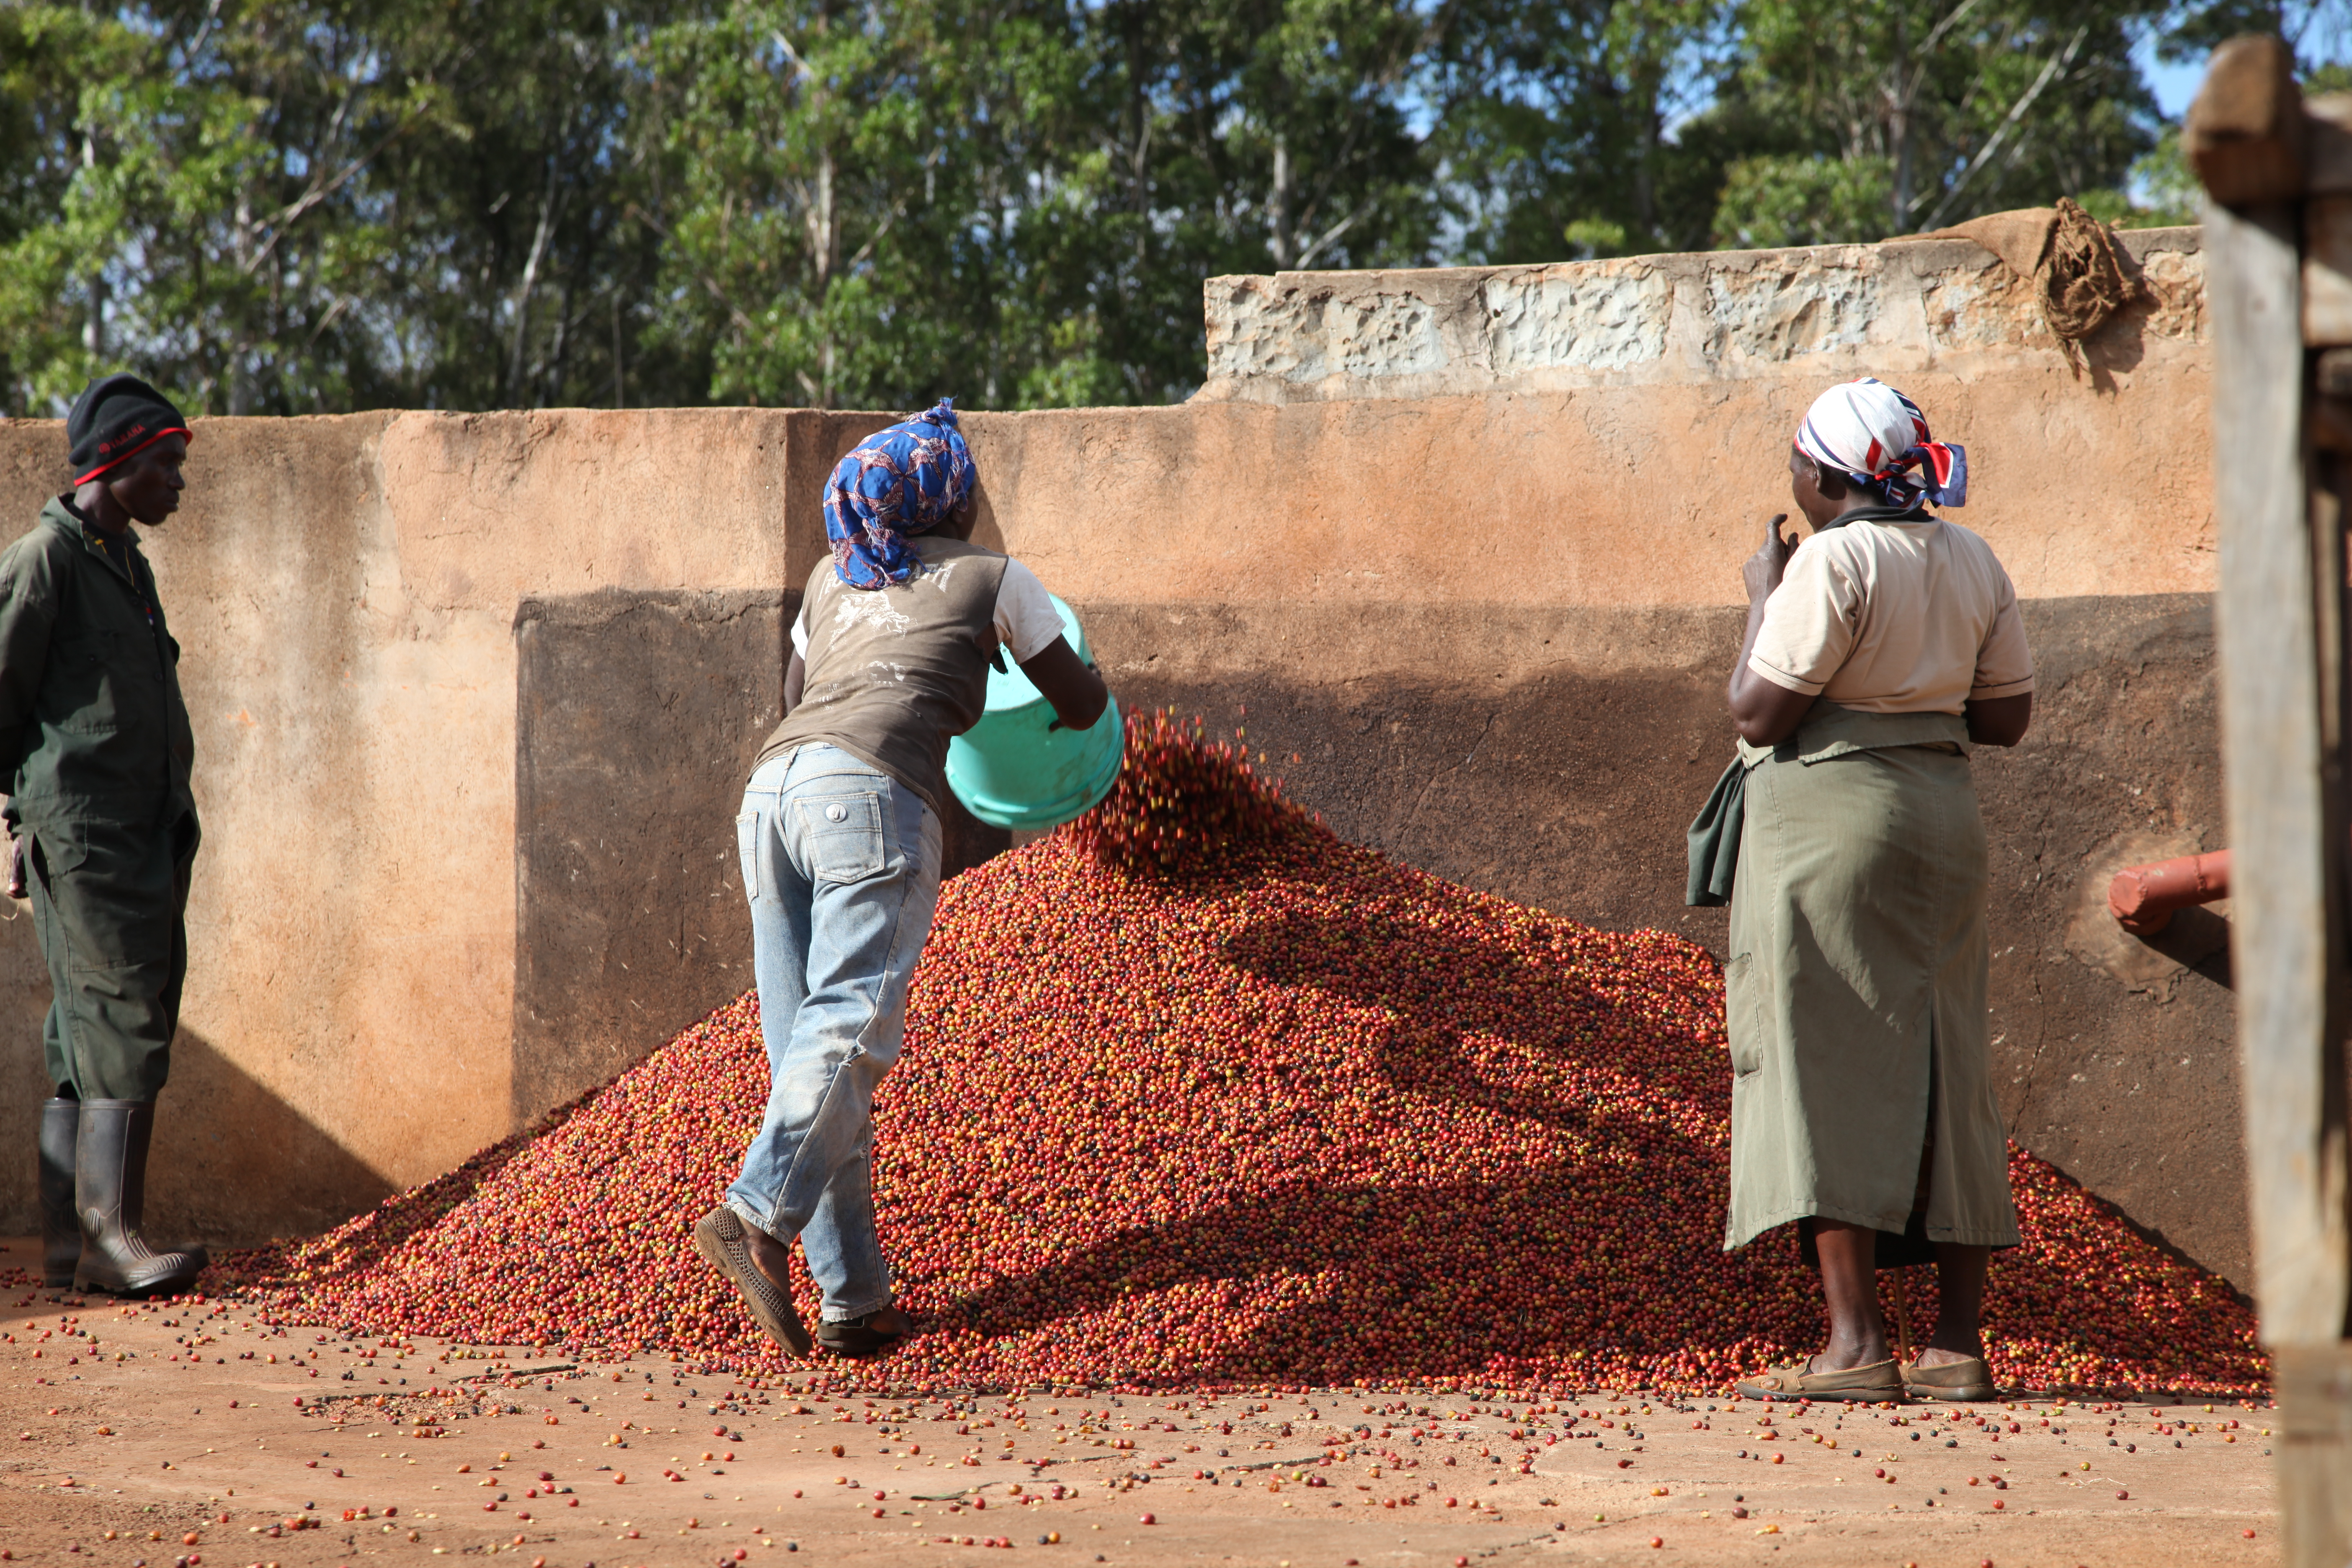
column 2144, row 898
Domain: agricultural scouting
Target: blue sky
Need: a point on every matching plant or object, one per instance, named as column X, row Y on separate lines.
column 2175, row 85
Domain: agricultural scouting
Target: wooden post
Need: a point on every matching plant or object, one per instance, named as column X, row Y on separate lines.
column 2280, row 616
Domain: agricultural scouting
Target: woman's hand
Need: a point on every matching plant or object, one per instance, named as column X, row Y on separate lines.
column 1764, row 713
column 1072, row 685
column 1998, row 720
column 1763, row 570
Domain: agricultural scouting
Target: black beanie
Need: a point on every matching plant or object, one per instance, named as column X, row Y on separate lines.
column 115, row 416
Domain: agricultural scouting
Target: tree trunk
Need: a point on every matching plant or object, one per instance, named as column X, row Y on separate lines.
column 1900, row 131
column 824, row 247
column 1278, row 242
column 93, row 326
column 529, row 283
column 1139, row 158
column 551, row 385
column 1898, row 126
column 240, row 348
column 1645, row 168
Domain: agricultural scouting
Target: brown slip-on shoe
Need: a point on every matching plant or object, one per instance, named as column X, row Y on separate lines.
column 1867, row 1385
column 858, row 1340
column 1957, row 1381
column 720, row 1236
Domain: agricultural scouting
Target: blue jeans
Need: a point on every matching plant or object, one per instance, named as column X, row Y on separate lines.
column 842, row 866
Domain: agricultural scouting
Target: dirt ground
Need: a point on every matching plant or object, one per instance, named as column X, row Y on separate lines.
column 183, row 1435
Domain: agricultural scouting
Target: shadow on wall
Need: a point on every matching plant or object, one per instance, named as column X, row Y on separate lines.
column 209, row 1165
column 636, row 719
column 639, row 716
column 1552, row 757
column 233, row 1164
column 23, row 1076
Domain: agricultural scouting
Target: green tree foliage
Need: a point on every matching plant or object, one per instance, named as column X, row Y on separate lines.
column 194, row 196
column 1572, row 122
column 284, row 208
column 1870, row 117
column 296, row 205
column 1014, row 198
column 2160, row 192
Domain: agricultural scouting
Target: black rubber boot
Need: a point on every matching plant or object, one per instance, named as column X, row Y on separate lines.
column 111, row 1193
column 60, row 1229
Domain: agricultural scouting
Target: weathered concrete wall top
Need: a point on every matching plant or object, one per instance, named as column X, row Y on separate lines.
column 474, row 695
column 1720, row 316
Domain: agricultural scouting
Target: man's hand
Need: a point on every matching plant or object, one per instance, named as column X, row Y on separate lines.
column 1763, row 570
column 18, row 887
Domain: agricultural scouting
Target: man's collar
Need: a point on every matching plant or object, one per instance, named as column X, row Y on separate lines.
column 90, row 525
column 96, row 540
column 91, row 529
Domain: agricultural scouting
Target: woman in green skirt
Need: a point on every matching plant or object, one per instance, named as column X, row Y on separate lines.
column 1878, row 651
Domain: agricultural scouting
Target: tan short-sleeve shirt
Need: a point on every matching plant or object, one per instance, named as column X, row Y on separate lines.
column 1889, row 616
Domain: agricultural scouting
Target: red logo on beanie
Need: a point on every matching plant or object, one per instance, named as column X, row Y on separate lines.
column 105, row 446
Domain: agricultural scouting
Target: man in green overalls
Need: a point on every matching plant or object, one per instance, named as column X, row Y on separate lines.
column 94, row 754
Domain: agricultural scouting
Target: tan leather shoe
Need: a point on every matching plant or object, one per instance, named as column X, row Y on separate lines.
column 1866, row 1385
column 1956, row 1381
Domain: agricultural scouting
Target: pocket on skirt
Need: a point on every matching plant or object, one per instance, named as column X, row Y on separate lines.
column 843, row 835
column 1742, row 1017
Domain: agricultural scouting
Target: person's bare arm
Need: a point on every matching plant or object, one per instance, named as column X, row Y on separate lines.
column 2000, row 721
column 795, row 681
column 1068, row 682
column 1763, row 712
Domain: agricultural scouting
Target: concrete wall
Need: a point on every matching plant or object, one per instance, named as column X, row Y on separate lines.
column 399, row 925
column 473, row 695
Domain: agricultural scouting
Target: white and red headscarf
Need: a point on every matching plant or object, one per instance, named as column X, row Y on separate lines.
column 1875, row 436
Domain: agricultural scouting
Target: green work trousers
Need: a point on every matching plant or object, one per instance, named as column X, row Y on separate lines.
column 110, row 907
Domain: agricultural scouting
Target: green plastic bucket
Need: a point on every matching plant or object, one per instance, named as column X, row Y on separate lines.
column 1016, row 768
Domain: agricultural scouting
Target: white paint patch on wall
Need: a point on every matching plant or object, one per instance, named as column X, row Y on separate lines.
column 1829, row 300
column 1269, row 333
column 1387, row 334
column 1609, row 315
column 1724, row 316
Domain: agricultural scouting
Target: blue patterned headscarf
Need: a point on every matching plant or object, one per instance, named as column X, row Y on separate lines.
column 900, row 481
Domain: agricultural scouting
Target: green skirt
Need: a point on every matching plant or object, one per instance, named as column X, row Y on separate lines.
column 1855, row 994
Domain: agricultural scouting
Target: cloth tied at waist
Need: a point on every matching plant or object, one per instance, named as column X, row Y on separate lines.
column 1830, row 730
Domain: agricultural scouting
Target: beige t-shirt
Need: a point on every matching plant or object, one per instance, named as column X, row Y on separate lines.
column 1894, row 616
